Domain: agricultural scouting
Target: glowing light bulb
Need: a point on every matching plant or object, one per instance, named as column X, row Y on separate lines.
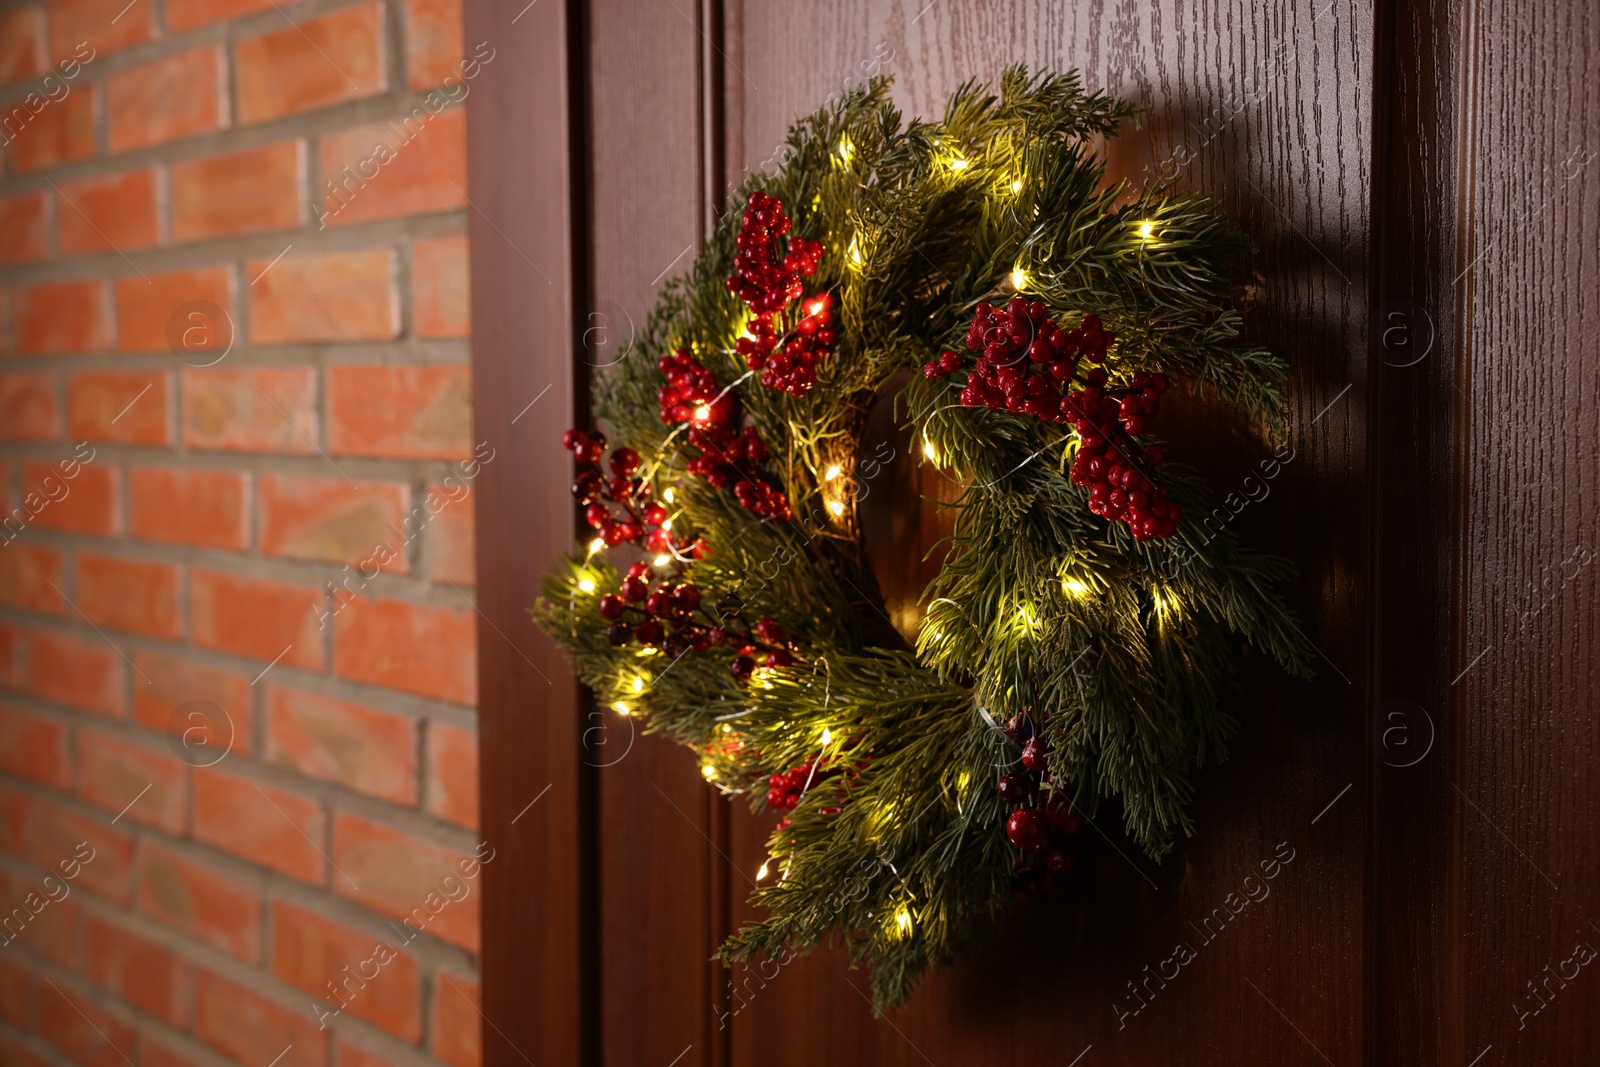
column 902, row 921
column 762, row 873
column 831, row 473
column 662, row 561
column 827, row 735
column 837, row 507
column 638, row 685
column 1074, row 586
column 669, row 495
column 587, row 585
column 1019, row 279
column 845, row 148
column 1147, row 229
column 666, row 524
column 816, row 306
column 596, row 545
column 702, row 413
column 620, row 708
column 855, row 252
column 709, row 771
column 1016, row 186
column 959, row 164
column 929, row 451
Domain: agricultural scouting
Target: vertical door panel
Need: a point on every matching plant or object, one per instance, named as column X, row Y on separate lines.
column 655, row 886
column 1525, row 790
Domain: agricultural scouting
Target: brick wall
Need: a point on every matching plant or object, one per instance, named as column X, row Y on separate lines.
column 237, row 673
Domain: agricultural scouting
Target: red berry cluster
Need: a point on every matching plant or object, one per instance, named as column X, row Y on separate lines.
column 1028, row 365
column 729, row 455
column 640, row 519
column 786, row 788
column 784, row 346
column 1043, row 820
column 671, row 616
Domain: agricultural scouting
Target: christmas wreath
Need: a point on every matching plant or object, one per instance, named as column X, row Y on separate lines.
column 1070, row 648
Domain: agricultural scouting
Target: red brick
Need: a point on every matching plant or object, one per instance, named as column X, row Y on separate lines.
column 408, row 879
column 24, row 227
column 457, row 1024
column 341, row 296
column 13, row 656
column 14, row 811
column 86, row 503
column 55, row 932
column 309, row 951
column 68, row 316
column 439, row 290
column 140, row 971
column 86, row 674
column 81, row 1030
column 174, row 682
column 30, row 579
column 246, row 1026
column 414, row 647
column 257, row 618
column 153, row 316
column 453, row 774
column 256, row 410
column 199, row 901
column 112, row 772
column 402, row 412
column 450, row 556
column 252, row 190
column 408, row 166
column 433, row 42
column 102, row 23
column 14, row 1053
column 51, row 133
column 330, row 519
column 175, row 97
column 314, row 64
column 355, row 1056
column 59, row 839
column 116, row 212
column 16, row 994
column 21, row 44
column 127, row 407
column 154, row 1052
column 264, row 824
column 189, row 507
column 185, row 15
column 370, row 751
column 35, row 747
column 139, row 596
column 28, row 408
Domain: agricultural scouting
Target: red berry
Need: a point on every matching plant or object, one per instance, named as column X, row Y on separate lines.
column 624, row 461
column 1033, row 754
column 597, row 515
column 1058, row 859
column 770, row 631
column 1026, row 828
column 618, row 633
column 779, row 657
column 1013, row 789
column 612, row 606
column 634, row 589
column 742, row 668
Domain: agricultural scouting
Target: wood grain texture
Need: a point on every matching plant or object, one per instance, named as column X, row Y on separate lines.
column 656, row 837
column 539, row 954
column 1264, row 107
column 1526, row 792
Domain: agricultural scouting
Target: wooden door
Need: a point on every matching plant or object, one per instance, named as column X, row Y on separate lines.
column 1418, row 180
